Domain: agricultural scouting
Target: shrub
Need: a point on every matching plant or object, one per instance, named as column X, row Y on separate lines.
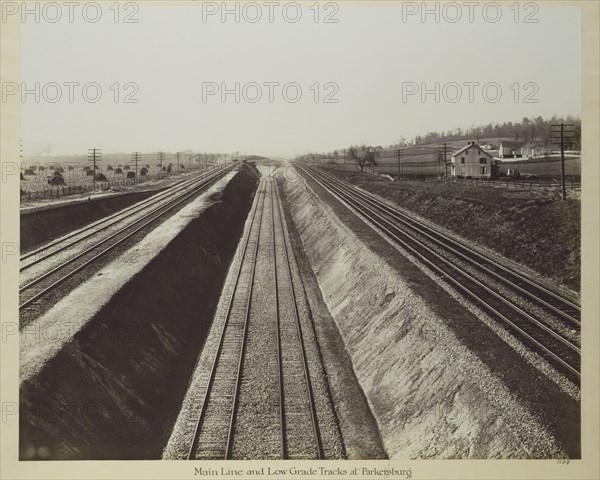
column 56, row 179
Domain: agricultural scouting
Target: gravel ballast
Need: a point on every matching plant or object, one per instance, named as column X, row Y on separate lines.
column 105, row 379
column 431, row 395
column 257, row 430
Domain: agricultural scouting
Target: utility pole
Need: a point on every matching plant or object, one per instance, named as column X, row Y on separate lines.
column 161, row 158
column 445, row 165
column 558, row 134
column 178, row 156
column 442, row 155
column 94, row 154
column 136, row 157
column 398, row 163
column 372, row 163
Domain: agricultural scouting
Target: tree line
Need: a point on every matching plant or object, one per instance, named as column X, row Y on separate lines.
column 529, row 130
column 362, row 155
column 534, row 130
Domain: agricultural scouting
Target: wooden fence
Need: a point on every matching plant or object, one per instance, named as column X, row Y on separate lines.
column 516, row 183
column 54, row 192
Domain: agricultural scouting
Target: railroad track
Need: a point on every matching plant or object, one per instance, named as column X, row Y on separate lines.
column 133, row 220
column 542, row 318
column 220, row 432
column 66, row 242
column 297, row 403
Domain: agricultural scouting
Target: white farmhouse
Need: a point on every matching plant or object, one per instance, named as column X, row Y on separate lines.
column 471, row 161
column 532, row 150
column 510, row 149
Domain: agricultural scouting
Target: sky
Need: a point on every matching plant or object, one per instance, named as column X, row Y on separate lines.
column 303, row 83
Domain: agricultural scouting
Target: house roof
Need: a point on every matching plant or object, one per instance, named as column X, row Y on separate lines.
column 511, row 144
column 471, row 145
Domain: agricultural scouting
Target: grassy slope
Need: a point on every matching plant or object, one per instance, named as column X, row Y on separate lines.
column 535, row 229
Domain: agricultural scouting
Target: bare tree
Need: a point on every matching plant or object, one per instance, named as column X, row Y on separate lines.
column 367, row 156
column 352, row 154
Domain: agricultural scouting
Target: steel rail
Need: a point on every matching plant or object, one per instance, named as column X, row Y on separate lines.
column 451, row 244
column 371, row 215
column 156, row 213
column 125, row 213
column 199, row 422
column 301, row 345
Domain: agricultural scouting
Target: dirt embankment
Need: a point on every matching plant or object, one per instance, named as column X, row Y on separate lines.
column 535, row 229
column 431, row 395
column 114, row 390
column 42, row 225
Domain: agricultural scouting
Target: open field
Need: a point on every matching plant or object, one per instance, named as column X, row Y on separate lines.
column 73, row 169
column 35, row 175
column 424, row 165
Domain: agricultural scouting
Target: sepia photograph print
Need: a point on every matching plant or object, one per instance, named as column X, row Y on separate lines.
column 304, row 239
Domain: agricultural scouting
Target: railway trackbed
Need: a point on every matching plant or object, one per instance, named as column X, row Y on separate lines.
column 261, row 394
column 43, row 269
column 542, row 319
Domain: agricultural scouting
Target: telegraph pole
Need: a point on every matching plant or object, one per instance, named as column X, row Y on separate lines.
column 442, row 152
column 398, row 163
column 161, row 158
column 94, row 154
column 372, row 163
column 558, row 134
column 445, row 165
column 178, row 156
column 136, row 157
